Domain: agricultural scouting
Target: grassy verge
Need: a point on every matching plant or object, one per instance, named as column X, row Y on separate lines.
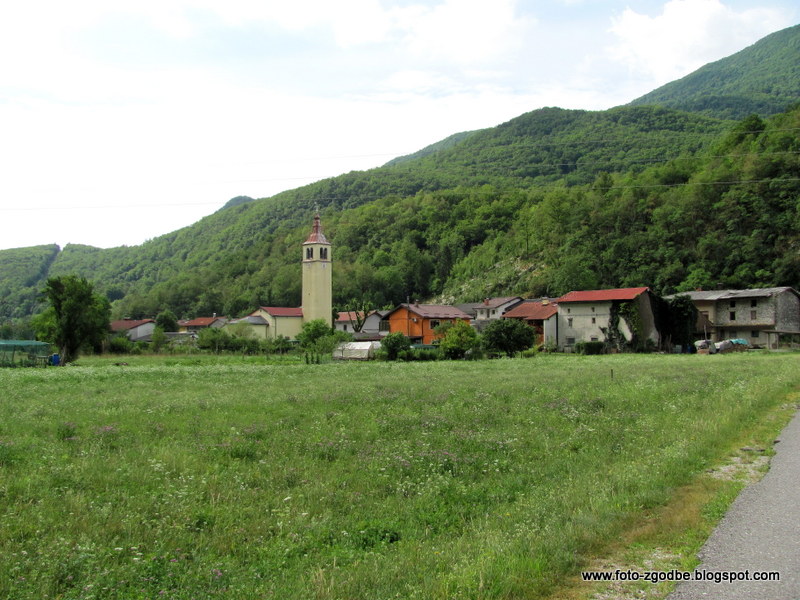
column 670, row 536
column 494, row 479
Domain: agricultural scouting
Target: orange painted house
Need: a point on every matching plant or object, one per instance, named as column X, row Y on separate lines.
column 418, row 321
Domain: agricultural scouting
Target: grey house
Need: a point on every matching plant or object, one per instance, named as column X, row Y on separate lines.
column 758, row 316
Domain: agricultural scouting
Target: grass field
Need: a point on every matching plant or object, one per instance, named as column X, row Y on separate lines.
column 229, row 477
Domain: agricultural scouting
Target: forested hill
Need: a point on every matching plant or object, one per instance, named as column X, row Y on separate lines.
column 763, row 79
column 550, row 201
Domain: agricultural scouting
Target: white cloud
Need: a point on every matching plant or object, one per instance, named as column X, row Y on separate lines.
column 465, row 32
column 686, row 35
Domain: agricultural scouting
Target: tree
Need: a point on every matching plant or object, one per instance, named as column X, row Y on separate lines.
column 508, row 336
column 459, row 339
column 167, row 320
column 158, row 340
column 77, row 317
column 215, row 339
column 394, row 344
column 312, row 332
column 682, row 315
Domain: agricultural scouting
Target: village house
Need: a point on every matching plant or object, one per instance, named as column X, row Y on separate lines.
column 488, row 310
column 195, row 325
column 757, row 316
column 418, row 321
column 373, row 327
column 612, row 316
column 542, row 315
column 254, row 326
column 137, row 330
column 494, row 308
column 280, row 321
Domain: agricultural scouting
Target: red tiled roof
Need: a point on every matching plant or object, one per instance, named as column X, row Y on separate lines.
column 435, row 311
column 200, row 322
column 603, row 295
column 316, row 236
column 532, row 311
column 280, row 311
column 126, row 324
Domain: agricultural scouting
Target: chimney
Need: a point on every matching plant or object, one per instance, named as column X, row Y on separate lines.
column 486, row 302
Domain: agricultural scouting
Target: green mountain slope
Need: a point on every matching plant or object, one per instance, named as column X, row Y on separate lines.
column 762, row 79
column 23, row 272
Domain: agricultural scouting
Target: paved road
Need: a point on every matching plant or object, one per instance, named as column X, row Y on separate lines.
column 760, row 532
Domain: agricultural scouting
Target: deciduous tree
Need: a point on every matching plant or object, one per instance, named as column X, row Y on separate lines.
column 508, row 336
column 77, row 317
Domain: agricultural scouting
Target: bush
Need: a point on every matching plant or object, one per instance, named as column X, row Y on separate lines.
column 590, row 347
column 395, row 343
column 419, row 354
column 459, row 339
column 120, row 344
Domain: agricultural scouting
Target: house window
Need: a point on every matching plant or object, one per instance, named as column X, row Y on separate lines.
column 383, row 325
column 570, row 341
column 753, row 315
column 753, row 302
column 755, row 334
column 434, row 323
column 593, row 309
column 309, row 253
column 569, row 310
column 594, row 320
column 569, row 322
column 733, row 303
column 323, row 253
column 733, row 315
column 593, row 338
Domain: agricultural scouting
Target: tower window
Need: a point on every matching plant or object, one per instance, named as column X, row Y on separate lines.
column 323, row 253
column 309, row 253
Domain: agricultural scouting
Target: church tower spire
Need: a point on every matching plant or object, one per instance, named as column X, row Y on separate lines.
column 317, row 279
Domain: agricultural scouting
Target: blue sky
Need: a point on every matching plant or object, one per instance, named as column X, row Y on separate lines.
column 123, row 123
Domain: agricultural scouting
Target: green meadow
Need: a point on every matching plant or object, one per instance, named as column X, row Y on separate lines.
column 235, row 478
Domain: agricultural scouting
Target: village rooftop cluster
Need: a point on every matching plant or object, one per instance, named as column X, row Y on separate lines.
column 754, row 317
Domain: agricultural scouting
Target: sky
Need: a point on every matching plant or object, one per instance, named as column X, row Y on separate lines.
column 121, row 122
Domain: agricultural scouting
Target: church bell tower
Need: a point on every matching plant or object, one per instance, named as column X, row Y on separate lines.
column 317, row 280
